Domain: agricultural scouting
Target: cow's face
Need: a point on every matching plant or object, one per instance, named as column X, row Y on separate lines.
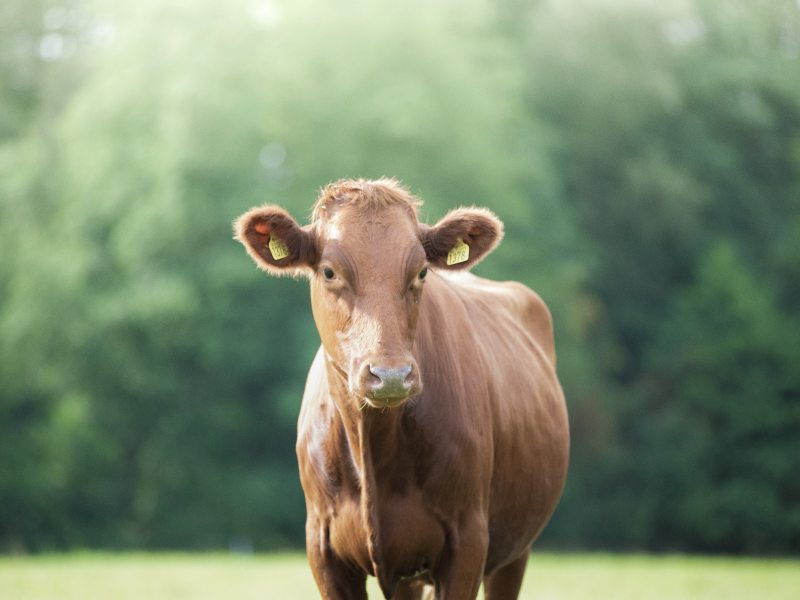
column 368, row 258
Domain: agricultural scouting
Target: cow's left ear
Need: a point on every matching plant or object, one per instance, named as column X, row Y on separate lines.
column 462, row 238
column 276, row 242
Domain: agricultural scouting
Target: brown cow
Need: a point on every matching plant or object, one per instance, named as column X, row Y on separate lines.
column 433, row 435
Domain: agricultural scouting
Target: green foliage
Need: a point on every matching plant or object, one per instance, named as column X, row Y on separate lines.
column 680, row 161
column 723, row 388
column 644, row 159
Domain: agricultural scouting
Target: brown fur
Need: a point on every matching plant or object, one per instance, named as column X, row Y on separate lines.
column 449, row 482
column 361, row 193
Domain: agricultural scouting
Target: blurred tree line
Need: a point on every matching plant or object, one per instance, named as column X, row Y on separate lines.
column 645, row 158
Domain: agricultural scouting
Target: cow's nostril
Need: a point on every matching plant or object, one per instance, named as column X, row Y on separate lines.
column 372, row 378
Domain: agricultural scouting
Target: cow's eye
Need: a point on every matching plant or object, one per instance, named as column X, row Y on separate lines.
column 423, row 273
column 328, row 273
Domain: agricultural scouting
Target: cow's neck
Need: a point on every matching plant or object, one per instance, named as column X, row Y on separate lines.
column 376, row 442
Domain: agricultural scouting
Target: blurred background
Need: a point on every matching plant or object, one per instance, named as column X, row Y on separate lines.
column 645, row 157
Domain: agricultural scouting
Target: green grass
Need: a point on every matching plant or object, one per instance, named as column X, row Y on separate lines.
column 268, row 577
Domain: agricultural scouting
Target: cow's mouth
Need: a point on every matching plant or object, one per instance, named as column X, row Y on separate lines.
column 392, row 398
column 382, row 403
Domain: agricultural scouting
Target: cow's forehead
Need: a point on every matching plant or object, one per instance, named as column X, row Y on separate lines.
column 382, row 226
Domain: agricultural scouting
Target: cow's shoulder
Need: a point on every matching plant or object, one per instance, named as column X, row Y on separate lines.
column 320, row 439
column 508, row 300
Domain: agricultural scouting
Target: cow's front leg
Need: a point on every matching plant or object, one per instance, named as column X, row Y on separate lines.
column 459, row 575
column 335, row 579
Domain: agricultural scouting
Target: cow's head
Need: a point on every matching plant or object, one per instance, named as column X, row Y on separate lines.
column 367, row 257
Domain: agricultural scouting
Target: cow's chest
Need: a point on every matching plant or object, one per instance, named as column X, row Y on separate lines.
column 400, row 534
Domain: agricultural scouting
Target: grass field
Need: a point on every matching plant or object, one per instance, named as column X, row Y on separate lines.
column 277, row 577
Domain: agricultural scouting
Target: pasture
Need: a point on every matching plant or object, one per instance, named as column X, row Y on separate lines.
column 286, row 576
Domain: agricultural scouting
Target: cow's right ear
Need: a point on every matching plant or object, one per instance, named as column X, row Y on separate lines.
column 276, row 242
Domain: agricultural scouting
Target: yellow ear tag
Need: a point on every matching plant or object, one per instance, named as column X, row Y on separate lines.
column 459, row 253
column 277, row 248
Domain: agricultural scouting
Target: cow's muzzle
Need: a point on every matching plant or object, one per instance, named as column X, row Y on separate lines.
column 389, row 385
